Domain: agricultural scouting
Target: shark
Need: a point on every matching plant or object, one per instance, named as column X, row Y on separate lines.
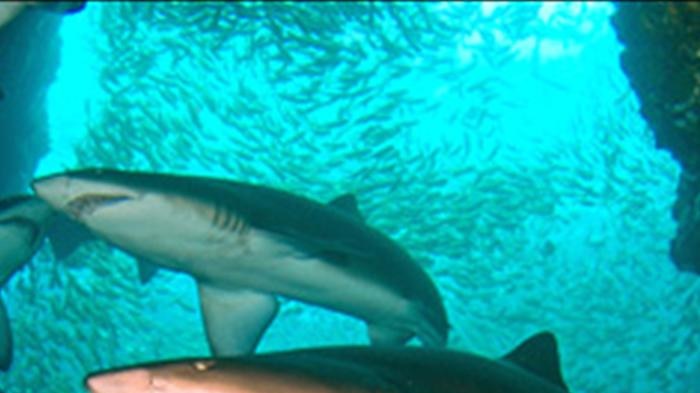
column 532, row 367
column 9, row 10
column 23, row 222
column 247, row 244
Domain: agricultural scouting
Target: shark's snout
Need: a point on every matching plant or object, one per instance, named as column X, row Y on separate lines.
column 128, row 381
column 55, row 190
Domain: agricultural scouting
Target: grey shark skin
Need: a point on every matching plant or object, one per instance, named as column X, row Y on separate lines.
column 245, row 243
column 532, row 367
column 10, row 9
column 23, row 220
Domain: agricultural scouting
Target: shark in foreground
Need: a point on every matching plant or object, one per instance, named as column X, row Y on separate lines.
column 10, row 9
column 23, row 222
column 245, row 244
column 532, row 367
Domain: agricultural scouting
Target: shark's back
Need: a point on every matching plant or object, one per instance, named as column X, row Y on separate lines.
column 533, row 367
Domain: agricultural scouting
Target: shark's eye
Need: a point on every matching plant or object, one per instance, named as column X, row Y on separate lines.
column 203, row 365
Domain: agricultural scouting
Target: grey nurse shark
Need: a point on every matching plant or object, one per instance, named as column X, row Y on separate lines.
column 23, row 222
column 532, row 367
column 9, row 10
column 245, row 244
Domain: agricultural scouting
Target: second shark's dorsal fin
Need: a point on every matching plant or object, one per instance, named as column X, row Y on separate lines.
column 347, row 203
column 540, row 356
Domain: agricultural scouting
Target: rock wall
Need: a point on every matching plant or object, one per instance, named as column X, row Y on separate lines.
column 29, row 58
column 662, row 61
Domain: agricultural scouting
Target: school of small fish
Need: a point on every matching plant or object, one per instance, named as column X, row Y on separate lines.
column 429, row 114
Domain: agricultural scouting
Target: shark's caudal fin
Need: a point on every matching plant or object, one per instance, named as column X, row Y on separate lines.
column 539, row 355
column 5, row 338
column 235, row 320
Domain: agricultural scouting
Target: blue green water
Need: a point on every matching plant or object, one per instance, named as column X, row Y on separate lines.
column 499, row 143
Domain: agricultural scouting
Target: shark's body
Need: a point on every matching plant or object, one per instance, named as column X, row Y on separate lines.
column 23, row 221
column 244, row 244
column 533, row 367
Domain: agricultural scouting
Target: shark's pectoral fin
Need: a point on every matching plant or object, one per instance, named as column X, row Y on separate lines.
column 146, row 270
column 235, row 319
column 66, row 236
column 380, row 335
column 5, row 338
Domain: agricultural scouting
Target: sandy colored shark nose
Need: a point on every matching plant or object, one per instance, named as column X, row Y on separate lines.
column 130, row 381
column 51, row 188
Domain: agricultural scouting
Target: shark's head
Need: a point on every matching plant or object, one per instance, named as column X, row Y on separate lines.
column 211, row 376
column 179, row 377
column 87, row 194
column 165, row 217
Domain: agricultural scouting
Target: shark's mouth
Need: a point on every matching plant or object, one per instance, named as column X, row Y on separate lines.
column 87, row 204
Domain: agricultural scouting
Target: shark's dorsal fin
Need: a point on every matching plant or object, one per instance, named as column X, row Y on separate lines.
column 540, row 356
column 347, row 203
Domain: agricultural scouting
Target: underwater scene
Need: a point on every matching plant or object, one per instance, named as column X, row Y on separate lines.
column 230, row 178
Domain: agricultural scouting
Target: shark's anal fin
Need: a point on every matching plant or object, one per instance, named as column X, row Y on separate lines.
column 387, row 336
column 347, row 203
column 540, row 356
column 5, row 338
column 235, row 320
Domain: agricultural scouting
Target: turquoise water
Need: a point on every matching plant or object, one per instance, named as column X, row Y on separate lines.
column 500, row 144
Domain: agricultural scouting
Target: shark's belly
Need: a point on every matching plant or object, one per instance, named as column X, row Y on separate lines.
column 266, row 263
column 257, row 259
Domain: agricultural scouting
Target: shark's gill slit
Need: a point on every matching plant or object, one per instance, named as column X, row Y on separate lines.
column 228, row 217
column 217, row 212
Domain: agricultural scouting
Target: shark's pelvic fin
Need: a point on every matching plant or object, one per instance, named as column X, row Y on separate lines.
column 147, row 270
column 235, row 319
column 347, row 203
column 5, row 338
column 540, row 356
